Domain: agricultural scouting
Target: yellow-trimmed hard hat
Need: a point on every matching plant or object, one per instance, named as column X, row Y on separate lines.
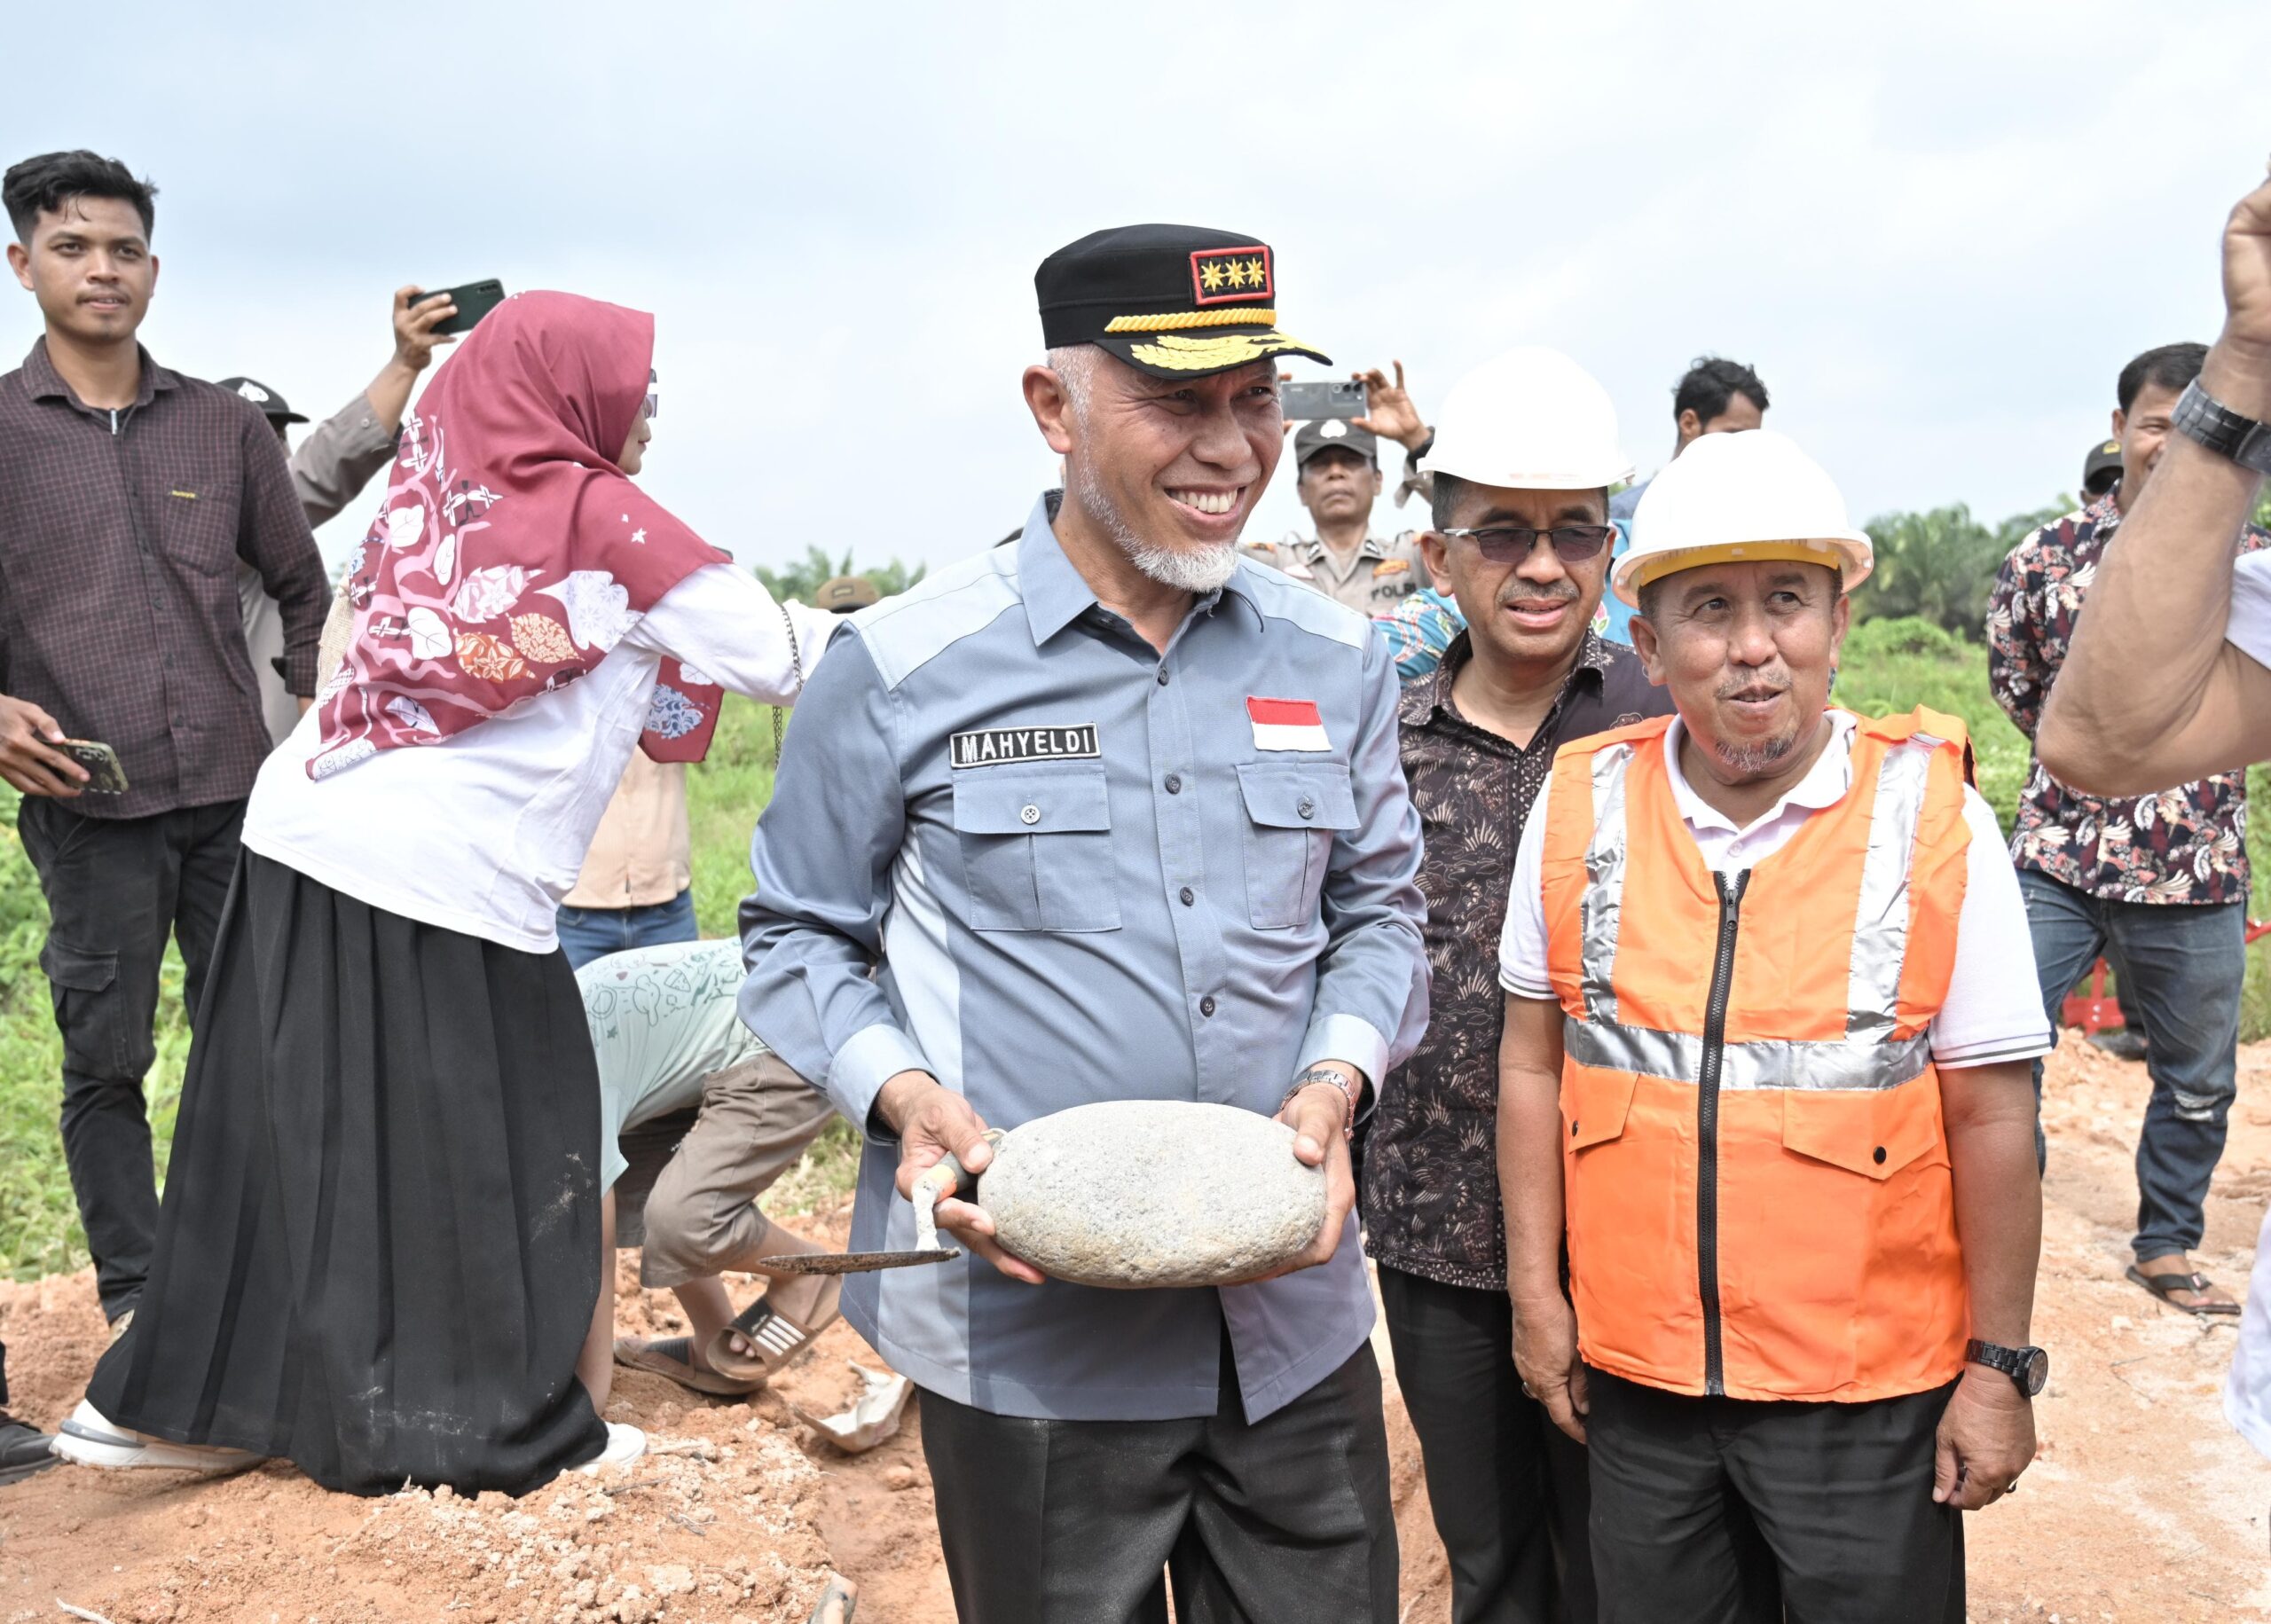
column 1752, row 496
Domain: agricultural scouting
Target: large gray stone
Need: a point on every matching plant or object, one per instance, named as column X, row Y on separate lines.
column 1142, row 1193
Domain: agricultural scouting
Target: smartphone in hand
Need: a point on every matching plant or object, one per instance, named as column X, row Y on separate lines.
column 474, row 300
column 105, row 775
column 1306, row 402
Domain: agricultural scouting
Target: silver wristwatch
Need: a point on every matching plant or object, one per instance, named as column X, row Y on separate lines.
column 2202, row 417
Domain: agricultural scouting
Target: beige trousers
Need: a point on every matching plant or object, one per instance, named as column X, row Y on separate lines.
column 757, row 1119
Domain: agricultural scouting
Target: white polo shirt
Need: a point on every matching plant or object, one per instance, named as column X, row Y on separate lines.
column 2247, row 1392
column 1994, row 1011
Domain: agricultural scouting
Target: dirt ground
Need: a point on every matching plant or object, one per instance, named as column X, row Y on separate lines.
column 2144, row 1505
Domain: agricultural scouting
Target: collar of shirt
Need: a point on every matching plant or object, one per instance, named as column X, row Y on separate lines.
column 1727, row 847
column 1430, row 697
column 43, row 382
column 1313, row 547
column 1056, row 594
column 2104, row 515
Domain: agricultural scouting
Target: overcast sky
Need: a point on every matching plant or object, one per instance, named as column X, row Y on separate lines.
column 1937, row 231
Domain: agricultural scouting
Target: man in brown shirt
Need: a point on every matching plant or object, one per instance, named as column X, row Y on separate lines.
column 128, row 495
column 1526, row 565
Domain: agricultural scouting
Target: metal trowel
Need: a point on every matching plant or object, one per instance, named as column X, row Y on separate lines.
column 946, row 1180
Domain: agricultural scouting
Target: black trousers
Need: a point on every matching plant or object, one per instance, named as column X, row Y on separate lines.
column 116, row 889
column 1284, row 1521
column 1840, row 1493
column 1507, row 1486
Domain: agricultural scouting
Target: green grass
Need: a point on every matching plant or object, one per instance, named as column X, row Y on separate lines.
column 1890, row 666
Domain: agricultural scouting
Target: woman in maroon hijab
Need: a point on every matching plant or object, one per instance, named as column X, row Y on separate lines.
column 379, row 1247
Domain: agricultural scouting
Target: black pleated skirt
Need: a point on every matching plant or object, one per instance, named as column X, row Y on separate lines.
column 379, row 1251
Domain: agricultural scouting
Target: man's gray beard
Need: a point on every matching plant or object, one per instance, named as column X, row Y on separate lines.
column 1196, row 569
column 1754, row 757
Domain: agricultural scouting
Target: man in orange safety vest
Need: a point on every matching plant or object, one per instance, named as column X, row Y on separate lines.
column 1764, row 1075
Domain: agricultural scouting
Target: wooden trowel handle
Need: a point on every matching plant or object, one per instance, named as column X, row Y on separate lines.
column 947, row 1179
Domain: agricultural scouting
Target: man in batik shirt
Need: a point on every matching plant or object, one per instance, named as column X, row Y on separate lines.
column 2158, row 881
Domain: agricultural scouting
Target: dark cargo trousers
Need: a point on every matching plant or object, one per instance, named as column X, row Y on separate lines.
column 117, row 889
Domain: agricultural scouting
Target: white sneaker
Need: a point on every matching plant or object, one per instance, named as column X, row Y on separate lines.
column 89, row 1439
column 624, row 1445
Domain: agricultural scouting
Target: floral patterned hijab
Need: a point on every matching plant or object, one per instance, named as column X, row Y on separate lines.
column 511, row 553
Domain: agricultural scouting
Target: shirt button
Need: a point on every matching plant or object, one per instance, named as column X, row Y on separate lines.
column 1029, row 814
column 1207, row 1005
column 1188, row 896
column 1175, row 783
column 1308, row 808
column 1163, row 676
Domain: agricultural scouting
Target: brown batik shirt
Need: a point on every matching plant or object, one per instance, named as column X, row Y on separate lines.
column 1430, row 1164
column 120, row 537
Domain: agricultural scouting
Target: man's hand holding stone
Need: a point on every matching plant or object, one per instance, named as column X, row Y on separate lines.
column 1319, row 1110
column 932, row 1121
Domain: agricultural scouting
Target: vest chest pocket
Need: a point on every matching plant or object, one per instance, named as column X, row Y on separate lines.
column 1036, row 848
column 1874, row 1133
column 1594, row 1105
column 1291, row 811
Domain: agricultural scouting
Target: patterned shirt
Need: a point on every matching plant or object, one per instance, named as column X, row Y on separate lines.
column 1431, row 1173
column 120, row 536
column 2185, row 844
column 1424, row 625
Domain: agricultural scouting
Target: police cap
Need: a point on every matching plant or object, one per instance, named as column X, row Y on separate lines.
column 1173, row 300
column 267, row 399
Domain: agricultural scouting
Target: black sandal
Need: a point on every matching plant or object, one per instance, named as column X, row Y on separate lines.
column 2197, row 1283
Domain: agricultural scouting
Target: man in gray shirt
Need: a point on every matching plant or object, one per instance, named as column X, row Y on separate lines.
column 1112, row 813
column 330, row 469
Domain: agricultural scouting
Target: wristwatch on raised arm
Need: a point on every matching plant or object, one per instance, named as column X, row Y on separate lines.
column 2202, row 417
column 2027, row 1367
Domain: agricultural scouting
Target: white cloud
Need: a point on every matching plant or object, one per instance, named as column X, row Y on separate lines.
column 1937, row 233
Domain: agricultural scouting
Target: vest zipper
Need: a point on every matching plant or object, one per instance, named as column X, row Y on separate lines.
column 1707, row 1127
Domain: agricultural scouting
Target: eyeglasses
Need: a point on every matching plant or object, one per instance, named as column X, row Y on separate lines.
column 1510, row 544
column 654, row 395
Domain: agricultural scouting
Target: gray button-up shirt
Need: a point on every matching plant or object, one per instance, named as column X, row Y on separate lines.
column 1082, row 870
column 331, row 466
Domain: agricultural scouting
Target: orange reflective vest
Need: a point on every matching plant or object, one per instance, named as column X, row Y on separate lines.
column 1756, row 1176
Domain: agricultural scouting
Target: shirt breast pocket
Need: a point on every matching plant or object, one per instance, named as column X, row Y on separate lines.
column 197, row 524
column 1036, row 848
column 1292, row 811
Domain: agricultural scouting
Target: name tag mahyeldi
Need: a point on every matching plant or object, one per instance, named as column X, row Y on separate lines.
column 985, row 747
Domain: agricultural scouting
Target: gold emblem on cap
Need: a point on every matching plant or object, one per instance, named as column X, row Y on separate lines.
column 1231, row 273
column 1181, row 352
column 1172, row 321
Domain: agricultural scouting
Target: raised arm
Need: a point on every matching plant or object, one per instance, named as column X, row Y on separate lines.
column 721, row 620
column 2151, row 693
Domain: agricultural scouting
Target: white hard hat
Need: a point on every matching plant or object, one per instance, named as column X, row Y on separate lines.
column 1532, row 419
column 1750, row 495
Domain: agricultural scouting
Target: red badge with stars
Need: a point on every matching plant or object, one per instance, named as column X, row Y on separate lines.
column 1221, row 276
column 1286, row 725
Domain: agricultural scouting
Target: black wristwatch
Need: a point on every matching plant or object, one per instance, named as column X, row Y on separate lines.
column 2027, row 1367
column 2202, row 417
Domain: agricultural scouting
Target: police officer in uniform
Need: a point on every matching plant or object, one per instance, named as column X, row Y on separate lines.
column 1337, row 476
column 1111, row 812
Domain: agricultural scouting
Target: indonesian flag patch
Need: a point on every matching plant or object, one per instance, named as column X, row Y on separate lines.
column 1287, row 725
